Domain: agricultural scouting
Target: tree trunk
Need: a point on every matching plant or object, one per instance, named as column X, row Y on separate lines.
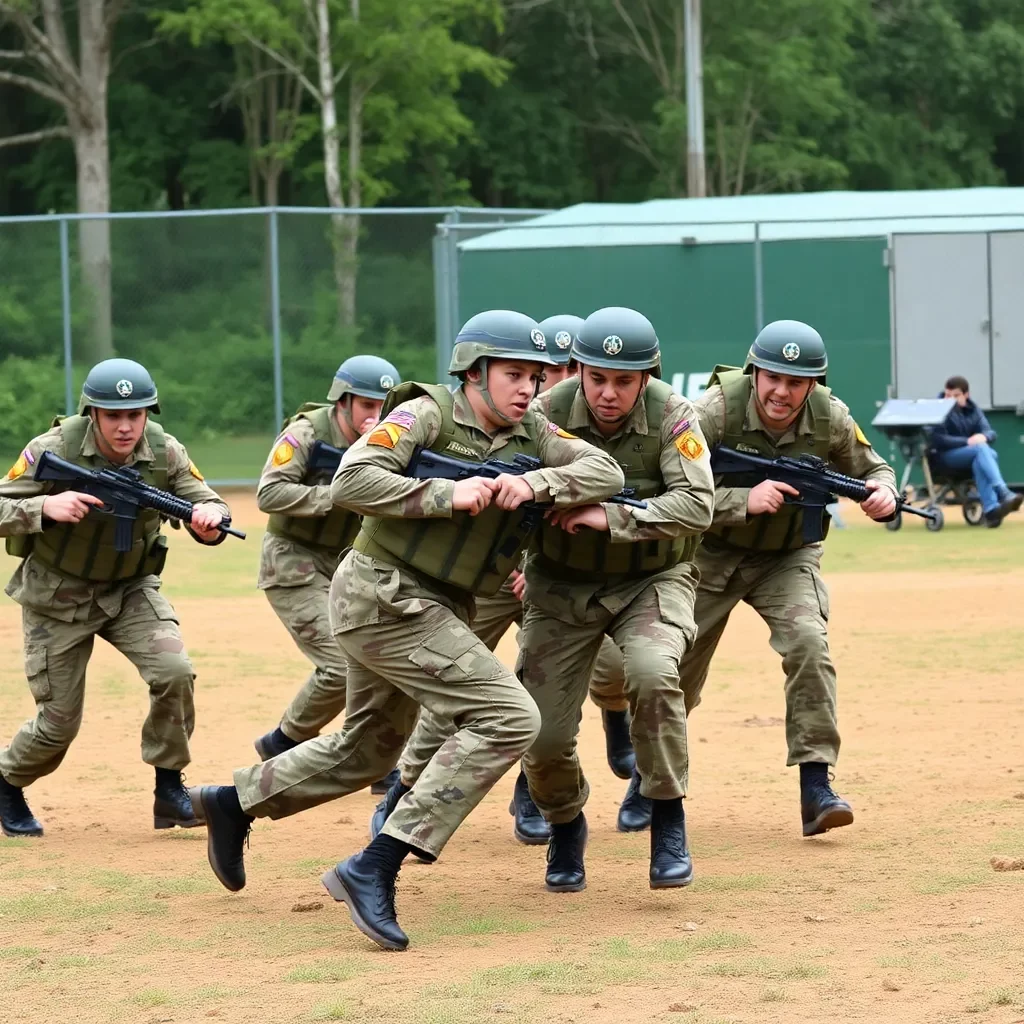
column 332, row 167
column 91, row 155
column 89, row 131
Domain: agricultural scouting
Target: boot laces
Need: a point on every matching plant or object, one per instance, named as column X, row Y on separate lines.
column 671, row 840
column 385, row 888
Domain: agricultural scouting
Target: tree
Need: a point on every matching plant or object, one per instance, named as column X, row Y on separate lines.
column 77, row 85
column 772, row 83
column 393, row 64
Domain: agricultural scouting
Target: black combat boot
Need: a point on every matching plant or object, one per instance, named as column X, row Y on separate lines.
column 15, row 817
column 171, row 803
column 618, row 746
column 821, row 808
column 635, row 809
column 529, row 826
column 383, row 810
column 227, row 832
column 274, row 743
column 671, row 866
column 383, row 785
column 565, row 872
column 366, row 884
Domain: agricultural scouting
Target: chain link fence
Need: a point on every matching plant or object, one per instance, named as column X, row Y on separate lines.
column 237, row 314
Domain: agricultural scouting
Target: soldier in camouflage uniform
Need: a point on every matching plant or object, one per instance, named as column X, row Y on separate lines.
column 630, row 576
column 493, row 619
column 754, row 551
column 73, row 586
column 401, row 601
column 306, row 535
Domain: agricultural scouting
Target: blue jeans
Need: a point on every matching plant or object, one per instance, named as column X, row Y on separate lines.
column 982, row 462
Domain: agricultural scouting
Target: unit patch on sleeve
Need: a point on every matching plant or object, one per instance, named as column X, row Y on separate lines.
column 19, row 467
column 402, row 417
column 194, row 470
column 680, row 426
column 283, row 454
column 386, row 435
column 688, row 446
column 556, row 429
column 860, row 434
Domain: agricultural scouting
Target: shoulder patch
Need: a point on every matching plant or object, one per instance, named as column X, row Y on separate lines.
column 386, row 435
column 19, row 467
column 283, row 454
column 680, row 426
column 688, row 446
column 556, row 429
column 194, row 470
column 290, row 438
column 860, row 434
column 402, row 417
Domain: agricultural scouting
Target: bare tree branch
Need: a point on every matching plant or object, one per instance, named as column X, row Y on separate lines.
column 46, row 52
column 57, row 132
column 34, row 85
column 129, row 50
column 13, row 55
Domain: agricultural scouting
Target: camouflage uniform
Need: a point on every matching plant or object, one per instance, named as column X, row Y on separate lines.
column 784, row 587
column 493, row 619
column 62, row 613
column 295, row 573
column 406, row 633
column 646, row 609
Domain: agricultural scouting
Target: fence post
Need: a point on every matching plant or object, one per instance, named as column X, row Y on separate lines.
column 65, row 298
column 758, row 279
column 275, row 317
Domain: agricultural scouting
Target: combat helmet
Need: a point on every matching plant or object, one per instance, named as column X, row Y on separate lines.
column 560, row 330
column 118, row 384
column 366, row 376
column 790, row 347
column 618, row 338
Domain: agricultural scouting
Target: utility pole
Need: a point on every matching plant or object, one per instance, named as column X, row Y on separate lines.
column 696, row 174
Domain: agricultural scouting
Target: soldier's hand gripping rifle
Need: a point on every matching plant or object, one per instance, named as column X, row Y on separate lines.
column 810, row 475
column 123, row 493
column 426, row 465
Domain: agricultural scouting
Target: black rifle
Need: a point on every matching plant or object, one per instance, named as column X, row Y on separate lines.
column 123, row 493
column 324, row 458
column 427, row 465
column 810, row 475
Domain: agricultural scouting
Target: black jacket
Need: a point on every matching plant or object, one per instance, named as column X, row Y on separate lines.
column 960, row 424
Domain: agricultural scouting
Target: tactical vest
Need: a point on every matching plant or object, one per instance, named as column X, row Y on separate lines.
column 334, row 531
column 469, row 553
column 85, row 549
column 782, row 530
column 591, row 554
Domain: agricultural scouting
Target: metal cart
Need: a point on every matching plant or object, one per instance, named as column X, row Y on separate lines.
column 906, row 421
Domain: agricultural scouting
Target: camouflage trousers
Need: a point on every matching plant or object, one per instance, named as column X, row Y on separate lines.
column 145, row 630
column 787, row 591
column 651, row 622
column 413, row 649
column 493, row 618
column 305, row 614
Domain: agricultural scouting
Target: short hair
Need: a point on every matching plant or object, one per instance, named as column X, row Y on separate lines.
column 958, row 384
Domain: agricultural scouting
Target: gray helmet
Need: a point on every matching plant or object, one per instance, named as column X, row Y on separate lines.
column 617, row 338
column 367, row 376
column 790, row 347
column 499, row 334
column 118, row 384
column 560, row 330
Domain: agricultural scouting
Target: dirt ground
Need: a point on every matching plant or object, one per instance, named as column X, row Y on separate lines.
column 899, row 917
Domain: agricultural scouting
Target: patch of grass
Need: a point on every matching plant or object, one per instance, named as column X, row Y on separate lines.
column 552, row 978
column 941, row 883
column 768, row 968
column 997, row 997
column 737, row 883
column 36, row 907
column 18, row 952
column 902, row 961
column 673, row 950
column 774, row 995
column 325, row 972
column 336, row 1011
column 151, row 997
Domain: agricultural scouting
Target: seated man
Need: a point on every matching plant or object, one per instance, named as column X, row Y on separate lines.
column 963, row 444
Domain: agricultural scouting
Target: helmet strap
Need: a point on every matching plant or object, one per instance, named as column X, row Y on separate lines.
column 639, row 396
column 485, row 394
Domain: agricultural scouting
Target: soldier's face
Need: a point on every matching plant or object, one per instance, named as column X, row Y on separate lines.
column 365, row 413
column 118, row 430
column 781, row 397
column 611, row 394
column 512, row 386
column 555, row 375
